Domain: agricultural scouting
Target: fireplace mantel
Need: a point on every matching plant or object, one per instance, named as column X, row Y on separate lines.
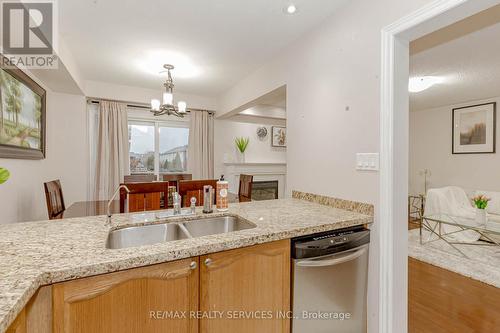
column 262, row 171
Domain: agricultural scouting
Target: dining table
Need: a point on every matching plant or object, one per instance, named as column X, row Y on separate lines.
column 100, row 207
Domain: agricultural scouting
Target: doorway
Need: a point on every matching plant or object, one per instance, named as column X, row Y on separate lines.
column 394, row 143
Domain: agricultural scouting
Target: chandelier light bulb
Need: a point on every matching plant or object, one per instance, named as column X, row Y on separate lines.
column 168, row 98
column 182, row 106
column 155, row 104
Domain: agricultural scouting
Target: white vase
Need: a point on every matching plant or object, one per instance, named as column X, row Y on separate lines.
column 480, row 216
column 241, row 157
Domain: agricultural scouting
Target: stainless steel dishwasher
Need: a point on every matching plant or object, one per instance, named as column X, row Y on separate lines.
column 330, row 273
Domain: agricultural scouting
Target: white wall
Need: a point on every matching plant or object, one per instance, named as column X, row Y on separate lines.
column 22, row 197
column 258, row 150
column 430, row 148
column 335, row 66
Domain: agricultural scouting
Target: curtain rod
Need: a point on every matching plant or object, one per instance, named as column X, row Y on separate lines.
column 135, row 105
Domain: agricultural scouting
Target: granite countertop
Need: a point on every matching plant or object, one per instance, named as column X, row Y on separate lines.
column 33, row 254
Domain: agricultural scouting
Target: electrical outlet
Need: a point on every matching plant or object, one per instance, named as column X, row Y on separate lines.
column 367, row 161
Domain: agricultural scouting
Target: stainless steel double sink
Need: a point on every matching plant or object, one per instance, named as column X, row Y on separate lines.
column 166, row 232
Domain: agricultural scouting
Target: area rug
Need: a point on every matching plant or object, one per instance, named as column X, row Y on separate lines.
column 483, row 263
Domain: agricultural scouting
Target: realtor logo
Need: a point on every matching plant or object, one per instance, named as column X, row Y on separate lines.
column 28, row 31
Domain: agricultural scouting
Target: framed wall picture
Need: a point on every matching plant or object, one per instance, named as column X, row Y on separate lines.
column 22, row 116
column 278, row 136
column 474, row 129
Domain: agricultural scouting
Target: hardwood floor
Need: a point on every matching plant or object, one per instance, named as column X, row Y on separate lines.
column 440, row 301
column 413, row 224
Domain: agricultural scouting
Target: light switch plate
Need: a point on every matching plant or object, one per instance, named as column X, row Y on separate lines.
column 367, row 161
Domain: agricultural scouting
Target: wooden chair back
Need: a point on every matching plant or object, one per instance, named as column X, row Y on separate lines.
column 174, row 178
column 144, row 196
column 245, row 188
column 143, row 178
column 194, row 188
column 55, row 199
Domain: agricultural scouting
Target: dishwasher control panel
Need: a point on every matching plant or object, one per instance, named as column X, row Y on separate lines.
column 329, row 242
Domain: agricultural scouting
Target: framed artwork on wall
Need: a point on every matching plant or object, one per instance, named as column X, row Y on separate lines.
column 474, row 129
column 22, row 116
column 278, row 136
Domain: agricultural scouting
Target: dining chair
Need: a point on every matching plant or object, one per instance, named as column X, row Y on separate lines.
column 194, row 188
column 173, row 183
column 144, row 196
column 245, row 188
column 174, row 178
column 139, row 178
column 55, row 199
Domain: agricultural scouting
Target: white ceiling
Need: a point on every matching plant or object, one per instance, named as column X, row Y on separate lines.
column 469, row 62
column 224, row 39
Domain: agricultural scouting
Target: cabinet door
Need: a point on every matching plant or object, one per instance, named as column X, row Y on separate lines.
column 156, row 298
column 36, row 317
column 253, row 283
column 19, row 325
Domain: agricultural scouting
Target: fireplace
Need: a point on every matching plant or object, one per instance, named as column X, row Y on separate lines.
column 274, row 173
column 265, row 190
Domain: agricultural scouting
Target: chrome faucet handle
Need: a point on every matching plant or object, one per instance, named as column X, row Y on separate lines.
column 193, row 205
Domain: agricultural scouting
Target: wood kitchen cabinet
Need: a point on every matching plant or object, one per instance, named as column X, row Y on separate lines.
column 36, row 317
column 19, row 325
column 148, row 299
column 252, row 281
column 174, row 297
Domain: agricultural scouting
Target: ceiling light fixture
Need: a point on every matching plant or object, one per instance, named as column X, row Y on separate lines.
column 291, row 9
column 167, row 107
column 421, row 83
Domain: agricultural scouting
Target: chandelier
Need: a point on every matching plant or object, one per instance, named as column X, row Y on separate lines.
column 167, row 105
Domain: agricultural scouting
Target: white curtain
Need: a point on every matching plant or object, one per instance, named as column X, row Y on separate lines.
column 201, row 145
column 92, row 137
column 112, row 162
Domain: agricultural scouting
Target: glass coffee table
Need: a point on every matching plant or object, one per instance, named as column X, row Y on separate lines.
column 434, row 224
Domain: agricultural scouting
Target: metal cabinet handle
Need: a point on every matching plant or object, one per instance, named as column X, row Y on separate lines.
column 208, row 262
column 334, row 259
column 193, row 265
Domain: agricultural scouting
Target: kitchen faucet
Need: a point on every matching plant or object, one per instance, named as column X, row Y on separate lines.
column 108, row 220
column 177, row 203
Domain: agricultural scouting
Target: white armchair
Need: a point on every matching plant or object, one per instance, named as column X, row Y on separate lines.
column 451, row 200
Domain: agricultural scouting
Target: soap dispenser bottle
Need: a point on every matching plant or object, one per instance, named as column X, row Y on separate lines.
column 208, row 199
column 221, row 194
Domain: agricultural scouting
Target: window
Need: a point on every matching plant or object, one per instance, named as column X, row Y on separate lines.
column 142, row 147
column 158, row 147
column 173, row 149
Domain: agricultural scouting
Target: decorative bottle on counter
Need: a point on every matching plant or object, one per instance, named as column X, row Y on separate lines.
column 208, row 199
column 221, row 194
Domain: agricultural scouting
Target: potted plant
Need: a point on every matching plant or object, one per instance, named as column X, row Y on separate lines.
column 481, row 202
column 4, row 175
column 241, row 145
